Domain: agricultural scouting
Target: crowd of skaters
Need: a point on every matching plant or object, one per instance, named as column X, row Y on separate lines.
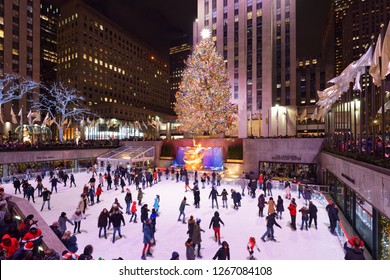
column 147, row 178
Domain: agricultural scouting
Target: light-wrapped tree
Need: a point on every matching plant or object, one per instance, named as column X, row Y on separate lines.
column 203, row 100
column 62, row 105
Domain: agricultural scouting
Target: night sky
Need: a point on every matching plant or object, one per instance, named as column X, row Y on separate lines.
column 158, row 22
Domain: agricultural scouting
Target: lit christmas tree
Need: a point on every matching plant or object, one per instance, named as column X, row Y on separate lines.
column 203, row 100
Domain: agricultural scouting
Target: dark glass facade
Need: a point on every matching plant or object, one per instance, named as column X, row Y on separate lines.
column 372, row 227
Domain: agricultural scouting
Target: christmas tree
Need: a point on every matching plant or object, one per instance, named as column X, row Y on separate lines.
column 203, row 100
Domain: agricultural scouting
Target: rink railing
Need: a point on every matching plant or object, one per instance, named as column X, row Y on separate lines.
column 33, row 175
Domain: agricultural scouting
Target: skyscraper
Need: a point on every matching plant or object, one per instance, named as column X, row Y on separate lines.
column 19, row 45
column 49, row 21
column 118, row 75
column 257, row 39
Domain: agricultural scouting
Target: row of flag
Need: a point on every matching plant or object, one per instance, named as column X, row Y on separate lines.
column 378, row 71
column 34, row 117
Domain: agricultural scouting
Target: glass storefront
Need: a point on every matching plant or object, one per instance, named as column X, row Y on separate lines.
column 305, row 173
column 362, row 216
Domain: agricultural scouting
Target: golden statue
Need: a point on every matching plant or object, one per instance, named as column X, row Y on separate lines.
column 193, row 156
column 26, row 135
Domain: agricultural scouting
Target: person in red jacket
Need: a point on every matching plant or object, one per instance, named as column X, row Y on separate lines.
column 293, row 213
column 10, row 245
column 98, row 193
column 251, row 245
column 33, row 235
column 133, row 212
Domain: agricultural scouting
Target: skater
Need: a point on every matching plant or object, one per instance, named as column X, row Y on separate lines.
column 269, row 187
column 312, row 214
column 300, row 190
column 203, row 180
column 214, row 194
column 197, row 237
column 99, row 191
column 156, row 204
column 77, row 216
column 279, row 208
column 235, row 199
column 219, row 178
column 334, row 218
column 293, row 213
column 251, row 245
column 307, row 194
column 196, row 192
column 54, row 181
column 72, row 180
column 223, row 253
column 30, row 192
column 133, row 212
column 187, row 184
column 216, row 223
column 261, row 181
column 287, row 189
column 191, row 225
column 17, row 184
column 144, row 213
column 182, row 207
column 153, row 218
column 103, row 222
column 271, row 206
column 65, row 178
column 261, row 204
column 224, row 195
column 128, row 200
column 115, row 219
column 91, row 194
column 190, row 254
column 147, row 239
column 62, row 220
column 354, row 249
column 39, row 187
column 46, row 198
column 140, row 196
column 123, row 184
column 305, row 217
column 270, row 227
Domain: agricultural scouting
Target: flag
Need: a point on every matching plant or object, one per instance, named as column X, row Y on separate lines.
column 29, row 117
column 36, row 116
column 386, row 54
column 364, row 61
column 387, row 107
column 303, row 115
column 1, row 116
column 46, row 119
column 13, row 116
column 20, row 114
column 345, row 77
column 375, row 71
column 315, row 114
column 82, row 122
column 144, row 124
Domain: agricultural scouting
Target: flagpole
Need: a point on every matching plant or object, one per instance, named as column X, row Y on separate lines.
column 382, row 97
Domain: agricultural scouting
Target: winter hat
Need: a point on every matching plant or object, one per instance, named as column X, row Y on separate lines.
column 63, row 214
column 127, row 189
column 29, row 246
column 198, row 221
column 175, row 256
column 30, row 217
column 33, row 226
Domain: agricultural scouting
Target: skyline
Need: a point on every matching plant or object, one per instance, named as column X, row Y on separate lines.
column 158, row 24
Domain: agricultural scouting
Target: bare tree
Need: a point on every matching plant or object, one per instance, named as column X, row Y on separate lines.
column 14, row 87
column 62, row 105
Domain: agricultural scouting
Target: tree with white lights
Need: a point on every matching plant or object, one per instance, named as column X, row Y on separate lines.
column 13, row 87
column 62, row 105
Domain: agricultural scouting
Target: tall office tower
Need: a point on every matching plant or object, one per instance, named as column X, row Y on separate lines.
column 361, row 27
column 340, row 8
column 310, row 79
column 257, row 39
column 19, row 47
column 178, row 54
column 49, row 21
column 118, row 75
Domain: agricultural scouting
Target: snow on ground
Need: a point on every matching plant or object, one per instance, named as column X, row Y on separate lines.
column 171, row 234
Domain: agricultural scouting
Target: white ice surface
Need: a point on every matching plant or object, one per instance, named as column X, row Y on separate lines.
column 171, row 234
